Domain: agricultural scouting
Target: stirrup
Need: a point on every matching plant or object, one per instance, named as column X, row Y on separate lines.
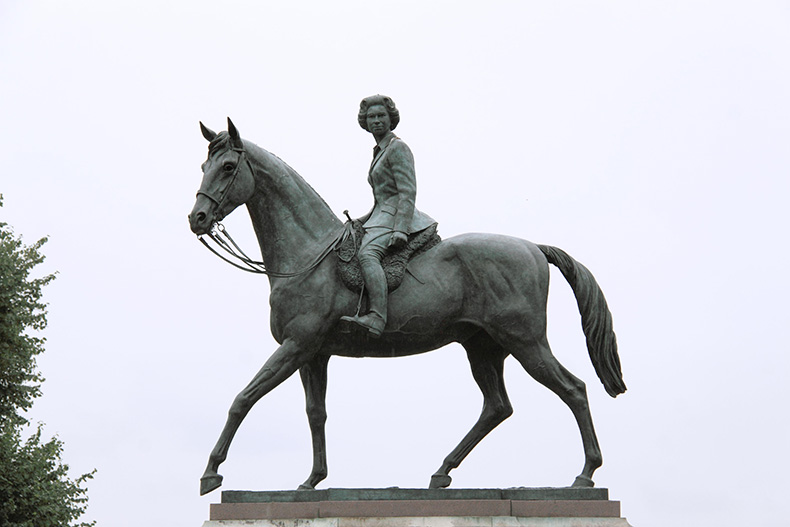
column 372, row 322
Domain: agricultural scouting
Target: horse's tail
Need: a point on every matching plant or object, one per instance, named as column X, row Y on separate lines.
column 596, row 319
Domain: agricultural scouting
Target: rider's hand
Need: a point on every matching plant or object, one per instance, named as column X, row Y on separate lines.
column 398, row 239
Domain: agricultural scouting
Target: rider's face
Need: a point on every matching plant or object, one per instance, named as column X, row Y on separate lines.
column 378, row 120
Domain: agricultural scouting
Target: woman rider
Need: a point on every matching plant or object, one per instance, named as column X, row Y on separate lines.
column 394, row 215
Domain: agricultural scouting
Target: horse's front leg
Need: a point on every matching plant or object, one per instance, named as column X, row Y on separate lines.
column 282, row 364
column 314, row 381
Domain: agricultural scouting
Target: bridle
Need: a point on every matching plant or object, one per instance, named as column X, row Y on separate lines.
column 220, row 236
column 223, row 193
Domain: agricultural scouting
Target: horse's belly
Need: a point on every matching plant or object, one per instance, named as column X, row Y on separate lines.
column 393, row 343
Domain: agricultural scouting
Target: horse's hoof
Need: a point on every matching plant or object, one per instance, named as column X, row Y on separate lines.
column 440, row 481
column 305, row 487
column 583, row 481
column 209, row 483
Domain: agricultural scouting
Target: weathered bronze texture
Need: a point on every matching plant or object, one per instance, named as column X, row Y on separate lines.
column 485, row 291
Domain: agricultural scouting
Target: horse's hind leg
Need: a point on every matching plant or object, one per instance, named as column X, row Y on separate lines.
column 487, row 360
column 314, row 381
column 539, row 362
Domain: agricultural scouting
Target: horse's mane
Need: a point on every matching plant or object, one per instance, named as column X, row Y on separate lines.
column 254, row 149
column 222, row 142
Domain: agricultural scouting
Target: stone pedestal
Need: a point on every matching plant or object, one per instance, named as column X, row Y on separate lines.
column 394, row 507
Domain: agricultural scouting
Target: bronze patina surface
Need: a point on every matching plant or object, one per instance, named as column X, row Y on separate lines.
column 485, row 291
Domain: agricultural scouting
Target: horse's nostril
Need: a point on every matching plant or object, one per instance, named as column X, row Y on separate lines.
column 201, row 217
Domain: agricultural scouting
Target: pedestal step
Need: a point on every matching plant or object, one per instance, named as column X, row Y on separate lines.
column 432, row 521
column 523, row 507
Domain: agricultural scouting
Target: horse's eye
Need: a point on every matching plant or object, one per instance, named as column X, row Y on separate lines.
column 228, row 167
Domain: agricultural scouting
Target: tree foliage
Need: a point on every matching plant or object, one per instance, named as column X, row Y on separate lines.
column 21, row 310
column 35, row 490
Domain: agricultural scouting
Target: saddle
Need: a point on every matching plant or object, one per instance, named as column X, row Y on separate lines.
column 394, row 263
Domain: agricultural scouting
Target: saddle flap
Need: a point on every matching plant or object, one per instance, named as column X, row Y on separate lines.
column 394, row 262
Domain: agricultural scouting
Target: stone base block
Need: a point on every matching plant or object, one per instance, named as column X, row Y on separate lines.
column 522, row 507
column 426, row 521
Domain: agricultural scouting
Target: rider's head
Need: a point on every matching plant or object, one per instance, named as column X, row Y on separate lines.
column 383, row 100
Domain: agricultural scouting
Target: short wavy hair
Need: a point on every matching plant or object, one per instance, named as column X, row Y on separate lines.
column 383, row 100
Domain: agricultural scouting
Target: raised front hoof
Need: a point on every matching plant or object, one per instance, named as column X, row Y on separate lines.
column 583, row 481
column 440, row 481
column 209, row 483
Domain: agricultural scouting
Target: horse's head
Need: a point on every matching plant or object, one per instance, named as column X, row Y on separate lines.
column 228, row 179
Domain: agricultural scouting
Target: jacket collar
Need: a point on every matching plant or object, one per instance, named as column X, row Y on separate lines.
column 382, row 146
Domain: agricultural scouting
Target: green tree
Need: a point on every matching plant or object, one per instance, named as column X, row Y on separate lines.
column 35, row 490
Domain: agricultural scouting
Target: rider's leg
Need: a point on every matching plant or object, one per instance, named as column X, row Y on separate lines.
column 376, row 286
column 372, row 250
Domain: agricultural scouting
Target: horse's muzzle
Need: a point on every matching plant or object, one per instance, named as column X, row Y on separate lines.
column 201, row 217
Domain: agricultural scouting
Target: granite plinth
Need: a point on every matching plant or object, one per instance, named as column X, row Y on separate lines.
column 433, row 521
column 395, row 507
column 397, row 493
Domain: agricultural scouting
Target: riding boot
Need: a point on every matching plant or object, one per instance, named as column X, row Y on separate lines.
column 376, row 286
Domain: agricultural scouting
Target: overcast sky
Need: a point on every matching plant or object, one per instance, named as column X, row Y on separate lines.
column 650, row 140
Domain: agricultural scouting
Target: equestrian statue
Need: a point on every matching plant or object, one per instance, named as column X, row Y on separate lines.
column 487, row 292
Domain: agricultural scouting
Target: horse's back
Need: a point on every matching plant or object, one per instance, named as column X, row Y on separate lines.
column 480, row 254
column 473, row 278
column 500, row 243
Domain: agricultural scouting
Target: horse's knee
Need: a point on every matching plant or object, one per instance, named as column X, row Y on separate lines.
column 240, row 406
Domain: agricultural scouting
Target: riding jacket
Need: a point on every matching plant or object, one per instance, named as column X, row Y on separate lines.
column 394, row 186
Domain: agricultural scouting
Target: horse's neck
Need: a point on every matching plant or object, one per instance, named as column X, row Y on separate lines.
column 292, row 222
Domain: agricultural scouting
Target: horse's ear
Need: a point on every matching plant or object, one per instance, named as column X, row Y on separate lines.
column 235, row 138
column 207, row 133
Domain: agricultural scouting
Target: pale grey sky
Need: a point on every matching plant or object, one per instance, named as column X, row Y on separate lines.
column 650, row 140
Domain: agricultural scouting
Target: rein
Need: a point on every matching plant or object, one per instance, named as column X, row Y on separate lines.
column 219, row 235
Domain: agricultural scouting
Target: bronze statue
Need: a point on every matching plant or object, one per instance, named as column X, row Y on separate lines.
column 393, row 216
column 488, row 292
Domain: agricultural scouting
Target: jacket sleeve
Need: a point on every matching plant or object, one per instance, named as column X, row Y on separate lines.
column 401, row 163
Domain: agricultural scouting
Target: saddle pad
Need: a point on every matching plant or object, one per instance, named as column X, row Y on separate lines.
column 394, row 263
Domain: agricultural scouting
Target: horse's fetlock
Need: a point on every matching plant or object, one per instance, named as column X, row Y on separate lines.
column 449, row 464
column 595, row 460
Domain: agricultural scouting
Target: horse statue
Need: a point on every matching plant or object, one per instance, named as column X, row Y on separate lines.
column 487, row 292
